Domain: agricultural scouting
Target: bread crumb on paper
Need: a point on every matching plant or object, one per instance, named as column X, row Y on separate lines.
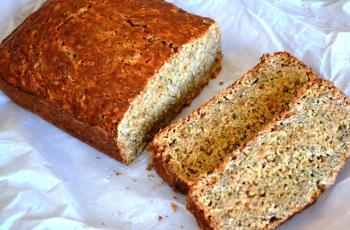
column 118, row 173
column 173, row 207
column 160, row 218
column 150, row 175
column 149, row 166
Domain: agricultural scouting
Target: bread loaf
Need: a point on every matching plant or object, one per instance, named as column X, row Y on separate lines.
column 109, row 72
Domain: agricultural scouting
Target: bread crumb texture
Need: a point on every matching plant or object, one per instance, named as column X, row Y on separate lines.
column 283, row 169
column 198, row 143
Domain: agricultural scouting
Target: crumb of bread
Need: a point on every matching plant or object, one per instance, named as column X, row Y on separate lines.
column 149, row 166
column 118, row 173
column 173, row 207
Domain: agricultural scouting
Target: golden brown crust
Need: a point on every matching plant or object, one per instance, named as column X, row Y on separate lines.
column 161, row 163
column 164, row 171
column 92, row 135
column 198, row 211
column 88, row 59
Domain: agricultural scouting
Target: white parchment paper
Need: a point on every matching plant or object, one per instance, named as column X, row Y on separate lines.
column 50, row 180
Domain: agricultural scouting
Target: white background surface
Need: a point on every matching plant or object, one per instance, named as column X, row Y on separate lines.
column 50, row 180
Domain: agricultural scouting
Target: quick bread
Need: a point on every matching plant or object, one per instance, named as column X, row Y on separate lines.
column 109, row 72
column 197, row 143
column 283, row 169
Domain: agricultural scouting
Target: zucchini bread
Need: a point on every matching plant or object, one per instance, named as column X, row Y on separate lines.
column 283, row 169
column 110, row 72
column 197, row 143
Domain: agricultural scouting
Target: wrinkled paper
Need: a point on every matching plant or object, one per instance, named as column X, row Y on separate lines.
column 50, row 180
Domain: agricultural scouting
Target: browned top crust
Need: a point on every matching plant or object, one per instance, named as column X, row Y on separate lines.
column 90, row 58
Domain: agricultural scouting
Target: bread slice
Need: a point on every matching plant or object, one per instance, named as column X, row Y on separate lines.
column 283, row 169
column 197, row 143
column 109, row 72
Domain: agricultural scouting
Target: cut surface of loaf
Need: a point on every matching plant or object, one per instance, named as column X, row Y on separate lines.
column 197, row 143
column 283, row 169
column 109, row 72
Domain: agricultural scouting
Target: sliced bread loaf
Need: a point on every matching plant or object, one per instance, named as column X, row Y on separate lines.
column 199, row 142
column 283, row 169
column 111, row 73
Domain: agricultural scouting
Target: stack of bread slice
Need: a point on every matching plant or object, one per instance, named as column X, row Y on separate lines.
column 261, row 150
column 197, row 143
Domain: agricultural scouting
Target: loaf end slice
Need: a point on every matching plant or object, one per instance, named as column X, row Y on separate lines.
column 197, row 143
column 283, row 169
column 109, row 72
